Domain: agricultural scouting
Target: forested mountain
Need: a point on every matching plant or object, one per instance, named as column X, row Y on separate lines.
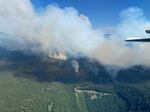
column 29, row 83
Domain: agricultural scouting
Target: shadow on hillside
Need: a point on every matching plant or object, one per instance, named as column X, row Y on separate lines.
column 135, row 74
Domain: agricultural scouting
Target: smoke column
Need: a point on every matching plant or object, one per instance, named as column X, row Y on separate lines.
column 67, row 31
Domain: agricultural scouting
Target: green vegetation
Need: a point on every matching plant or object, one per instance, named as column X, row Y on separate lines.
column 28, row 84
column 19, row 94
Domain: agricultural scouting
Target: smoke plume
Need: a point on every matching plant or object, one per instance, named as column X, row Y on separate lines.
column 65, row 30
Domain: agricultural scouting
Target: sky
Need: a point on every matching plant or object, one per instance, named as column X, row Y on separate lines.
column 100, row 12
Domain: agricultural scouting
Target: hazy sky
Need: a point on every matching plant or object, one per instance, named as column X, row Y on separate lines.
column 100, row 12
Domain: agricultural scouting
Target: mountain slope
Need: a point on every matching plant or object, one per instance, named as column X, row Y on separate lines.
column 29, row 83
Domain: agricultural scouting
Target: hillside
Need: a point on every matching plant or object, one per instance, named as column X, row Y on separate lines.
column 29, row 83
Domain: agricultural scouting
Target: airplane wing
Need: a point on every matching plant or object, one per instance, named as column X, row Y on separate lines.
column 138, row 40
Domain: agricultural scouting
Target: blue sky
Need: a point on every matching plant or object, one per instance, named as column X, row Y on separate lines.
column 100, row 12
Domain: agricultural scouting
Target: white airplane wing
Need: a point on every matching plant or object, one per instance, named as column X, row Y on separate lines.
column 138, row 40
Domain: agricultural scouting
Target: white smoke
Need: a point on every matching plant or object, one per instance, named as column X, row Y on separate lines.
column 75, row 65
column 66, row 30
column 116, row 51
column 54, row 29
